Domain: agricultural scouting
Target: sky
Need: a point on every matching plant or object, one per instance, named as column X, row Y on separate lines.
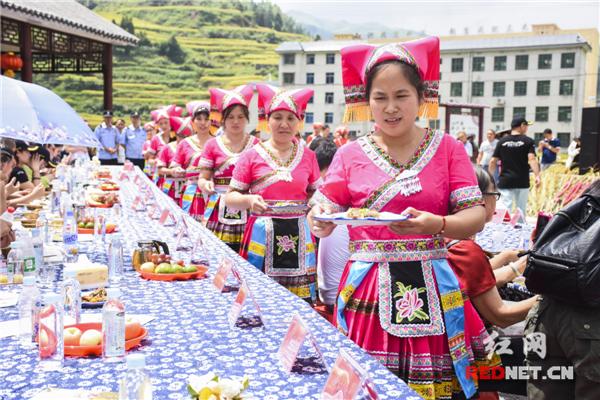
column 438, row 17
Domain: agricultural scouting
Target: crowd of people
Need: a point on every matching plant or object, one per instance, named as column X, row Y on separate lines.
column 419, row 294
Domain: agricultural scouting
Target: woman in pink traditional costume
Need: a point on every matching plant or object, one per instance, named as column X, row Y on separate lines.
column 173, row 179
column 160, row 140
column 274, row 180
column 398, row 297
column 187, row 159
column 229, row 108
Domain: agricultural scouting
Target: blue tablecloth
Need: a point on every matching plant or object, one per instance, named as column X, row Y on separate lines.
column 191, row 334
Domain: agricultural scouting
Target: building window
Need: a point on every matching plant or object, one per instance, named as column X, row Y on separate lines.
column 311, row 100
column 543, row 88
column 499, row 89
column 477, row 89
column 456, row 89
column 519, row 112
column 309, row 118
column 310, row 78
column 457, row 65
column 329, row 77
column 545, row 61
column 500, row 63
column 566, row 87
column 541, row 114
column 567, row 60
column 522, row 62
column 289, row 59
column 329, row 118
column 520, row 88
column 330, row 58
column 498, row 114
column 288, row 78
column 310, row 59
column 564, row 137
column 478, row 64
column 329, row 98
column 564, row 114
column 434, row 124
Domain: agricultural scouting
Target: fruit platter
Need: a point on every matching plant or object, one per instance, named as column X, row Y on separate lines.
column 102, row 200
column 161, row 268
column 103, row 173
column 85, row 339
column 109, row 186
column 86, row 226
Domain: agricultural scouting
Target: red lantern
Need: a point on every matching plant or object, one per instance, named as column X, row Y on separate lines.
column 11, row 61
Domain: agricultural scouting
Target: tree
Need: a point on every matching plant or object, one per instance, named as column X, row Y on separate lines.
column 172, row 50
column 317, row 37
column 127, row 24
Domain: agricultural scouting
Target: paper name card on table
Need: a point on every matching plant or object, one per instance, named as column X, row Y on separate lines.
column 517, row 217
column 293, row 341
column 500, row 215
column 166, row 218
column 153, row 211
column 123, row 176
column 128, row 166
column 347, row 379
column 137, row 180
column 223, row 270
column 138, row 204
column 238, row 304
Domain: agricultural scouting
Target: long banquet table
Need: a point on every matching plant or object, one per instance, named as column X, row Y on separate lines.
column 191, row 333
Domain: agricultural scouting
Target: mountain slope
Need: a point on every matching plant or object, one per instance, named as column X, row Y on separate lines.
column 218, row 43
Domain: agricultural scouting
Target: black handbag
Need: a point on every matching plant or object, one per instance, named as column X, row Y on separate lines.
column 564, row 263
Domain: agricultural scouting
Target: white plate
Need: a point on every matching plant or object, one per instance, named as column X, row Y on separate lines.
column 385, row 218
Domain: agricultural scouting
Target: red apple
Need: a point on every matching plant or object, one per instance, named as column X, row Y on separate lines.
column 72, row 336
column 181, row 262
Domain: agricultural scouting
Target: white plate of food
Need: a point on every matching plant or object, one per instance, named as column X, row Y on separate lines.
column 361, row 217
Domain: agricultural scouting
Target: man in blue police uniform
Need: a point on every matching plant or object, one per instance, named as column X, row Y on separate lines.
column 108, row 136
column 133, row 139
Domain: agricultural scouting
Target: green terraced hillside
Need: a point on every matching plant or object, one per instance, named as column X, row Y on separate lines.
column 223, row 42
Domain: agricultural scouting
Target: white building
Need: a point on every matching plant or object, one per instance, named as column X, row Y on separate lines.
column 547, row 75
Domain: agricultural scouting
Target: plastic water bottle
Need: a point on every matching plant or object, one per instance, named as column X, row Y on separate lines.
column 29, row 301
column 44, row 227
column 135, row 384
column 37, row 242
column 14, row 263
column 113, row 327
column 28, row 257
column 115, row 259
column 51, row 341
column 55, row 196
column 71, row 292
column 70, row 237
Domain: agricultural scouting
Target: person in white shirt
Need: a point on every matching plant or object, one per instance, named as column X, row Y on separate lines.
column 486, row 150
column 333, row 251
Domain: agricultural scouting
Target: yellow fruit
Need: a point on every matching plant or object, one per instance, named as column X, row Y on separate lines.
column 3, row 279
column 17, row 278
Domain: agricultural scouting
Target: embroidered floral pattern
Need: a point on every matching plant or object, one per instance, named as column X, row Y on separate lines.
column 304, row 249
column 281, row 171
column 286, row 243
column 465, row 197
column 435, row 326
column 409, row 306
column 398, row 250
